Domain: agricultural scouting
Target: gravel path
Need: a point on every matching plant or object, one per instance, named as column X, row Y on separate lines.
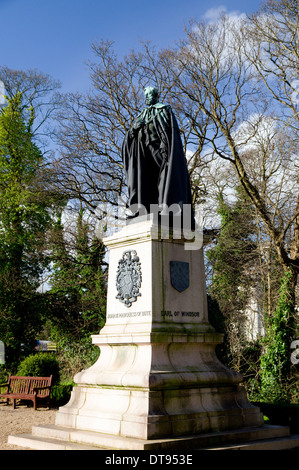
column 20, row 421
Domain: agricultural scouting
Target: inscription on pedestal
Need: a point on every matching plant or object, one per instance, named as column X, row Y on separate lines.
column 177, row 314
column 129, row 314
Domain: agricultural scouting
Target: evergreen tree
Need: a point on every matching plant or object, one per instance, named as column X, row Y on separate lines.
column 78, row 293
column 232, row 260
column 24, row 219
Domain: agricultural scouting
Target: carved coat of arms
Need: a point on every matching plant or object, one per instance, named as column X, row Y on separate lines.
column 128, row 278
column 179, row 275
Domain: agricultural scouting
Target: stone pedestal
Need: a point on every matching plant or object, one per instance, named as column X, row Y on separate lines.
column 157, row 375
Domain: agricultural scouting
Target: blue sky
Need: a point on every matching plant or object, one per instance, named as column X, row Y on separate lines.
column 55, row 36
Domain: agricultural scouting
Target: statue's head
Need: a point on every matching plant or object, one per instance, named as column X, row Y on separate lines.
column 151, row 95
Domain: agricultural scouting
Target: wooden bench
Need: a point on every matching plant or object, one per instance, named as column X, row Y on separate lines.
column 36, row 389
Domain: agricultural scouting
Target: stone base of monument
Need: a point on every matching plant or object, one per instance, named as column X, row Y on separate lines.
column 157, row 383
column 52, row 437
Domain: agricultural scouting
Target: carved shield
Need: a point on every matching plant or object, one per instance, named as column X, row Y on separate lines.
column 179, row 275
column 128, row 278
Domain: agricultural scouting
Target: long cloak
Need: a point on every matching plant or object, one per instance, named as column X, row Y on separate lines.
column 154, row 161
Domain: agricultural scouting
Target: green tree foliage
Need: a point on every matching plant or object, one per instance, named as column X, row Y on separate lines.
column 24, row 219
column 77, row 297
column 232, row 261
column 236, row 272
column 276, row 370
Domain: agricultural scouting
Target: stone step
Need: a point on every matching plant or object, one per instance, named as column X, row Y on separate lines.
column 56, row 437
column 286, row 443
column 114, row 441
column 29, row 441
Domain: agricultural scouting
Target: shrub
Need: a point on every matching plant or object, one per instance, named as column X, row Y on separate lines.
column 74, row 357
column 60, row 394
column 40, row 365
column 3, row 374
column 276, row 373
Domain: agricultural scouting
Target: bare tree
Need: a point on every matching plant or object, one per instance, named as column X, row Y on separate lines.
column 91, row 128
column 213, row 73
column 214, row 81
column 275, row 58
column 39, row 96
column 274, row 54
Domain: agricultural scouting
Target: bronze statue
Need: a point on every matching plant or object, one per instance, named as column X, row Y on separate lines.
column 154, row 160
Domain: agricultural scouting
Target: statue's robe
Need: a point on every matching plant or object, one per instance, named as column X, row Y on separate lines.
column 154, row 161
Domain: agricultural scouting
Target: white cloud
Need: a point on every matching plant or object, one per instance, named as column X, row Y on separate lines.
column 212, row 14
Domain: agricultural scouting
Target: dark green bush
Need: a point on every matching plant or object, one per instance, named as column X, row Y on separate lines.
column 3, row 374
column 60, row 394
column 40, row 365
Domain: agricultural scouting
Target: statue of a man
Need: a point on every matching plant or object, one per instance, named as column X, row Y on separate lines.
column 154, row 160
